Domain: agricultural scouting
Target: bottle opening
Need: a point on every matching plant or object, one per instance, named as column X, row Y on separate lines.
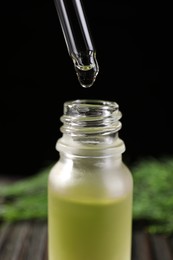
column 91, row 117
column 90, row 127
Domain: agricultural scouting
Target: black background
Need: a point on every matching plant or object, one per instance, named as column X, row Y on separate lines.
column 37, row 77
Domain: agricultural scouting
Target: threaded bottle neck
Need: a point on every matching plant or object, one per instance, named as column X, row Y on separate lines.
column 90, row 117
column 90, row 128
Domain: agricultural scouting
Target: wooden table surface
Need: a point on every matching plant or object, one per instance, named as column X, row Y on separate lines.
column 28, row 241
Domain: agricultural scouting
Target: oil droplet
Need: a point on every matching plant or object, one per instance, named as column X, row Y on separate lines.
column 86, row 77
column 86, row 67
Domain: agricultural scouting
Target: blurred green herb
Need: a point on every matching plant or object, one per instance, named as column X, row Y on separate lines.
column 153, row 194
column 152, row 201
column 25, row 199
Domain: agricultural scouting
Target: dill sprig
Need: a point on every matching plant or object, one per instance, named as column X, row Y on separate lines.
column 153, row 194
column 25, row 199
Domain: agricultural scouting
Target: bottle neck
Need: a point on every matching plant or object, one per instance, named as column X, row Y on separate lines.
column 90, row 128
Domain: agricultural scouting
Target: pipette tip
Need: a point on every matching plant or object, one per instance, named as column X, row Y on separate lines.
column 86, row 67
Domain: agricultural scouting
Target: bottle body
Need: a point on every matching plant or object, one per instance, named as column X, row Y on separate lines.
column 90, row 202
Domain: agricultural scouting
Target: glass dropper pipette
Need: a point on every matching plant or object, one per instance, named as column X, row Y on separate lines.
column 78, row 40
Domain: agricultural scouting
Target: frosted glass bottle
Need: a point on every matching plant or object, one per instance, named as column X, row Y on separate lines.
column 90, row 188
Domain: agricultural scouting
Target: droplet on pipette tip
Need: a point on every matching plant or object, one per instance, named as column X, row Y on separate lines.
column 86, row 67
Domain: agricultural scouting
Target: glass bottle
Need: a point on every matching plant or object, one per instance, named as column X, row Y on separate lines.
column 90, row 188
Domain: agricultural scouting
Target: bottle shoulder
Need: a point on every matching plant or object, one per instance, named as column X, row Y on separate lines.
column 86, row 182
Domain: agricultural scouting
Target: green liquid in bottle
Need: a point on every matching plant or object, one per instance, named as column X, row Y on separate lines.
column 89, row 230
